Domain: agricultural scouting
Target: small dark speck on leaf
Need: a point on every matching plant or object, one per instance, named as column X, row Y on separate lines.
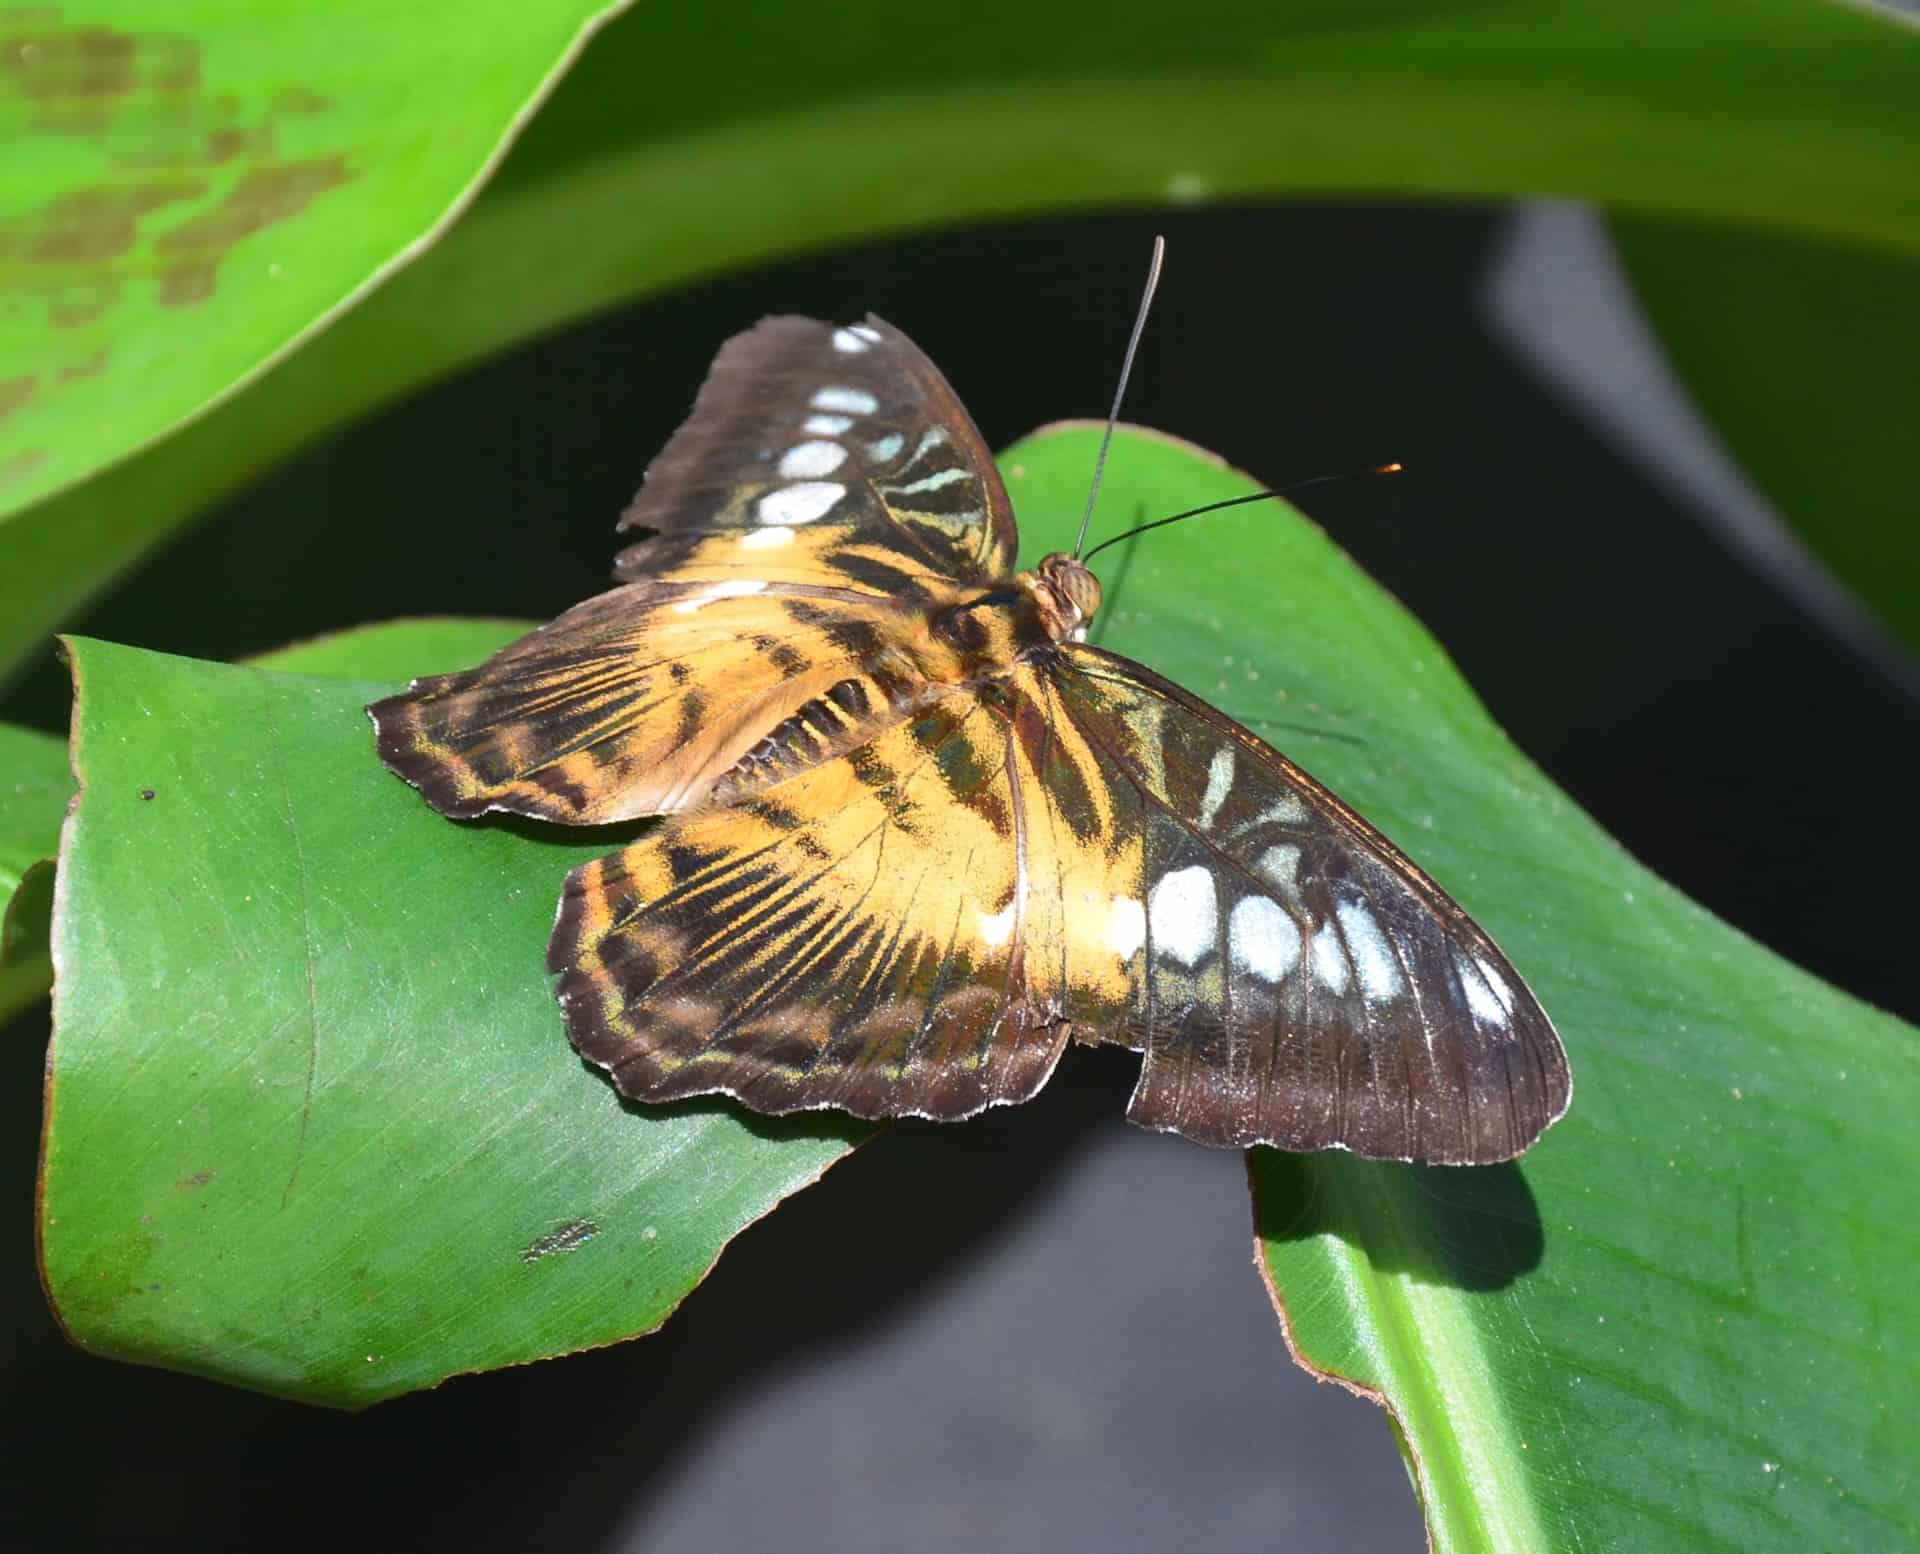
column 146, row 793
column 569, row 1237
column 198, row 1179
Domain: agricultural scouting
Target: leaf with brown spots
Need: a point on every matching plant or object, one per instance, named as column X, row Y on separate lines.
column 186, row 192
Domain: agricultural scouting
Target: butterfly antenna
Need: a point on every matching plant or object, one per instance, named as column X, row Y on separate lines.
column 1237, row 501
column 1120, row 393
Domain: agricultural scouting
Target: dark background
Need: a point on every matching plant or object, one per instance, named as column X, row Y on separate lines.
column 1040, row 1328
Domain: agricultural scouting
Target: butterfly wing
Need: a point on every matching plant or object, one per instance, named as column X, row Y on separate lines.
column 1296, row 981
column 826, row 494
column 853, row 937
column 837, row 456
column 1081, row 848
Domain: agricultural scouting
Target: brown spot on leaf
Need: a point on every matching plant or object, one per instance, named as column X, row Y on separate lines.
column 88, row 226
column 569, row 1237
column 15, row 392
column 198, row 1179
column 230, row 141
column 146, row 793
column 21, row 465
column 76, row 77
column 263, row 197
column 296, row 102
column 84, row 303
column 182, row 285
column 87, row 367
column 78, row 62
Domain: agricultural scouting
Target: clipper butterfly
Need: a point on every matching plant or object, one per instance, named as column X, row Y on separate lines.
column 919, row 834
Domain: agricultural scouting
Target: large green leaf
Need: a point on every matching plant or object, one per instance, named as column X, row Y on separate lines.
column 672, row 153
column 313, row 1125
column 1802, row 354
column 34, row 788
column 191, row 186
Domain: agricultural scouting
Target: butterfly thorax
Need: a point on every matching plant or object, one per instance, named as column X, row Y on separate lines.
column 996, row 628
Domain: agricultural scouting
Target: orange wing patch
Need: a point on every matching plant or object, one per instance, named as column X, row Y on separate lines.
column 912, row 928
column 641, row 700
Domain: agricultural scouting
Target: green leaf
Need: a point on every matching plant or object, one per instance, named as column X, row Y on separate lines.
column 34, row 788
column 1802, row 355
column 313, row 1123
column 851, row 120
column 192, row 187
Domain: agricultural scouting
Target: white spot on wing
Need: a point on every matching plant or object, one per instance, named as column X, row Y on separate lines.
column 800, row 503
column 1487, row 992
column 866, row 332
column 767, row 538
column 1284, row 811
column 826, row 425
column 933, row 437
column 1279, row 866
column 886, row 447
column 1126, row 926
column 851, row 340
column 1219, row 783
column 1329, row 960
column 1372, row 955
column 997, row 929
column 809, row 460
column 1262, row 939
column 1183, row 914
column 848, row 400
column 733, row 588
column 933, row 482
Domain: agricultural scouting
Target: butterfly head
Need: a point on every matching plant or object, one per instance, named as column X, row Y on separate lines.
column 1067, row 594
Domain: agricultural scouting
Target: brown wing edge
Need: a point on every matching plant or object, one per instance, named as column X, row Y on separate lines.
column 1537, row 1081
column 656, row 515
column 597, row 971
column 450, row 784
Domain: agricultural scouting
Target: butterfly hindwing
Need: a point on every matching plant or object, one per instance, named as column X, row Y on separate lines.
column 853, row 937
column 1299, row 982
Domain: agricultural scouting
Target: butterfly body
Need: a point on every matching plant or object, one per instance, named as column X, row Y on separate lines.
column 921, row 834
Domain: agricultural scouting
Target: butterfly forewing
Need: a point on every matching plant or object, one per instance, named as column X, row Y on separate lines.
column 838, row 456
column 826, row 494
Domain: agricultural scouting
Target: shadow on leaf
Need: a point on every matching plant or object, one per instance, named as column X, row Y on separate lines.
column 1469, row 1227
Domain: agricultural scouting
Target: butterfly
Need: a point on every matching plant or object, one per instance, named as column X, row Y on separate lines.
column 919, row 834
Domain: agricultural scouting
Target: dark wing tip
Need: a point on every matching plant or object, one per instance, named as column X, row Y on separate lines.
column 404, row 748
column 1524, row 1088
